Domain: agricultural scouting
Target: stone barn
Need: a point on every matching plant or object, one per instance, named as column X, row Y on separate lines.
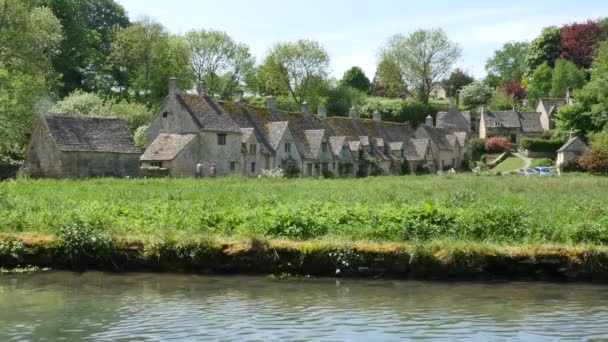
column 82, row 146
column 571, row 150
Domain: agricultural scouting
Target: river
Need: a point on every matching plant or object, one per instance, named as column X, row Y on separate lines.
column 147, row 306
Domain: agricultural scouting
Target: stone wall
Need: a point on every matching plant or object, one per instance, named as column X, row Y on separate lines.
column 153, row 172
column 97, row 164
column 536, row 154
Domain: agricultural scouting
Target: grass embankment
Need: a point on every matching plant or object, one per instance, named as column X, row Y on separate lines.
column 509, row 165
column 437, row 222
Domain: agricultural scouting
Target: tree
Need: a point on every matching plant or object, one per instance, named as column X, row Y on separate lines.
column 29, row 38
column 475, row 94
column 424, row 58
column 545, row 48
column 388, row 81
column 501, row 100
column 341, row 98
column 540, row 83
column 578, row 41
column 595, row 160
column 566, row 75
column 516, row 89
column 508, row 63
column 149, row 55
column 355, row 78
column 218, row 60
column 457, row 80
column 298, row 69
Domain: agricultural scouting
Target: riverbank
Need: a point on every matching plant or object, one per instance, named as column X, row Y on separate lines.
column 431, row 260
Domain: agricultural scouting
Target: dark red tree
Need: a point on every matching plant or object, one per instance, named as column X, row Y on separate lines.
column 578, row 41
column 514, row 88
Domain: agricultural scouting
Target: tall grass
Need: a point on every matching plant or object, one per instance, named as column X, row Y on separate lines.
column 506, row 210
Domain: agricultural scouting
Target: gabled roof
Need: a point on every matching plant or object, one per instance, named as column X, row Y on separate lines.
column 314, row 138
column 207, row 113
column 354, row 145
column 507, row 119
column 462, row 137
column 574, row 144
column 551, row 104
column 246, row 134
column 336, row 143
column 530, row 122
column 395, row 146
column 274, row 131
column 90, row 134
column 454, row 118
column 439, row 136
column 421, row 146
column 167, row 146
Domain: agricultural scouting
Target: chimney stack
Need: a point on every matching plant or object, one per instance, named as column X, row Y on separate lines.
column 568, row 100
column 353, row 113
column 429, row 120
column 239, row 95
column 377, row 116
column 322, row 112
column 271, row 103
column 201, row 88
column 174, row 86
column 452, row 102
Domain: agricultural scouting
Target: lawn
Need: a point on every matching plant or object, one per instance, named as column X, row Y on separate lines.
column 497, row 209
column 508, row 165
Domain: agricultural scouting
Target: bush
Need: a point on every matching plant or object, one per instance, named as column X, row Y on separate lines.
column 541, row 162
column 595, row 161
column 411, row 111
column 82, row 242
column 540, row 145
column 478, row 146
column 571, row 166
column 497, row 145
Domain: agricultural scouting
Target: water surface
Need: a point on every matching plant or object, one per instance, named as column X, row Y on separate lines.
column 136, row 306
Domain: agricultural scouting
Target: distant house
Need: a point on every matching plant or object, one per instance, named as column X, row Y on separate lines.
column 573, row 149
column 510, row 124
column 547, row 107
column 81, row 146
column 454, row 118
column 177, row 153
column 438, row 92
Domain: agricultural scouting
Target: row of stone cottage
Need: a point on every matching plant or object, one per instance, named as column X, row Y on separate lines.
column 240, row 139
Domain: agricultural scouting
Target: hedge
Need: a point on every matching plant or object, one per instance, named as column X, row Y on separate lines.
column 540, row 145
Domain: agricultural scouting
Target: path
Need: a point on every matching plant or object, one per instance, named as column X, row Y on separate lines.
column 527, row 161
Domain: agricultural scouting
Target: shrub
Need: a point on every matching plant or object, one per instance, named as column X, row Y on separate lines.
column 595, row 161
column 422, row 170
column 478, row 146
column 541, row 162
column 405, row 167
column 540, row 145
column 81, row 242
column 571, row 166
column 411, row 111
column 496, row 144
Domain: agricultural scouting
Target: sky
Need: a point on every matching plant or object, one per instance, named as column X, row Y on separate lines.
column 353, row 31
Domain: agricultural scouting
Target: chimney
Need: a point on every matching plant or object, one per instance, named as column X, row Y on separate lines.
column 568, row 100
column 429, row 120
column 483, row 109
column 271, row 103
column 238, row 96
column 377, row 116
column 201, row 88
column 452, row 102
column 322, row 112
column 353, row 113
column 174, row 86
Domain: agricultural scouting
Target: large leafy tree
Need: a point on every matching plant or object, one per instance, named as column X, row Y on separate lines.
column 540, row 83
column 475, row 94
column 218, row 60
column 424, row 58
column 579, row 40
column 355, row 78
column 457, row 80
column 508, row 63
column 388, row 81
column 149, row 56
column 297, row 69
column 29, row 38
column 566, row 75
column 544, row 48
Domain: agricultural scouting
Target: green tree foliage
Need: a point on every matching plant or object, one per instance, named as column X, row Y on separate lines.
column 540, row 83
column 544, row 48
column 218, row 60
column 88, row 28
column 424, row 58
column 410, row 110
column 82, row 103
column 566, row 75
column 501, row 100
column 475, row 94
column 341, row 98
column 508, row 63
column 388, row 81
column 297, row 69
column 150, row 56
column 457, row 80
column 29, row 38
column 355, row 78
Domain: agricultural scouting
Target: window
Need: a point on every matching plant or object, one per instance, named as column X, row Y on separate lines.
column 252, row 167
column 165, row 114
column 309, row 169
column 252, row 149
column 287, row 147
column 324, row 167
column 232, row 166
column 513, row 138
column 156, row 164
column 221, row 139
column 266, row 162
column 333, row 166
column 324, row 147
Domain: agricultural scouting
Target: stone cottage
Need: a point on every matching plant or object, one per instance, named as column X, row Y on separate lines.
column 454, row 118
column 241, row 139
column 510, row 124
column 573, row 149
column 81, row 146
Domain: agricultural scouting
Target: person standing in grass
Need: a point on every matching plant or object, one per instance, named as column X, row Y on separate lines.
column 212, row 171
column 199, row 169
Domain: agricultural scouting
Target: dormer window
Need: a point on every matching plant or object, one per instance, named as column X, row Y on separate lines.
column 323, row 147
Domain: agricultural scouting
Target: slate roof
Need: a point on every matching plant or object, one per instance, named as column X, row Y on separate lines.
column 395, row 146
column 507, row 119
column 90, row 134
column 439, row 136
column 207, row 113
column 314, row 138
column 336, row 143
column 246, row 134
column 574, row 144
column 274, row 131
column 454, row 118
column 167, row 146
column 530, row 122
column 551, row 104
column 462, row 138
column 420, row 145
